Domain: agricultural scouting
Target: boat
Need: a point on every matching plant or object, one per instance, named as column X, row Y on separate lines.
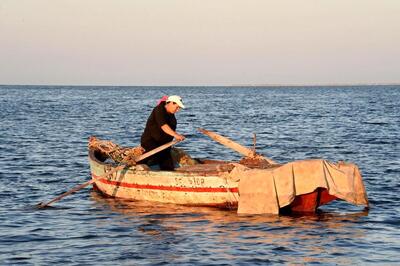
column 255, row 184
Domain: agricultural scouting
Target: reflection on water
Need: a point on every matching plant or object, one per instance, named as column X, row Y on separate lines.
column 264, row 235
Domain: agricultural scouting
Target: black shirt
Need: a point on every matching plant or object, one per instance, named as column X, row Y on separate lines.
column 153, row 132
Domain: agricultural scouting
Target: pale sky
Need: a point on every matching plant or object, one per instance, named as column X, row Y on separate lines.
column 199, row 42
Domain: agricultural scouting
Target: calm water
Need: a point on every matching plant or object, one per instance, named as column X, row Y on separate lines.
column 43, row 144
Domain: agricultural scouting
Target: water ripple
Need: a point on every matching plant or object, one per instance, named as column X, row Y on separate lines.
column 43, row 153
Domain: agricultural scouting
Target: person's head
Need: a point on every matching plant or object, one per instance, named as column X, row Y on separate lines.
column 174, row 104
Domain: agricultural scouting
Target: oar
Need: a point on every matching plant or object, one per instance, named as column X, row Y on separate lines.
column 137, row 159
column 235, row 146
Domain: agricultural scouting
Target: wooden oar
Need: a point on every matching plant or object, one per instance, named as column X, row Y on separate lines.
column 235, row 146
column 137, row 159
column 154, row 151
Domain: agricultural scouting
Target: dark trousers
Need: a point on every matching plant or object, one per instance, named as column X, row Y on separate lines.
column 162, row 158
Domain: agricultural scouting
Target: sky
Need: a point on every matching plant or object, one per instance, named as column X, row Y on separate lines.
column 199, row 42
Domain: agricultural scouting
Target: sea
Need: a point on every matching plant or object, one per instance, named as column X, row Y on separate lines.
column 43, row 152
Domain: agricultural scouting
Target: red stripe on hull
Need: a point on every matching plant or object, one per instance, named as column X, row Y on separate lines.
column 167, row 188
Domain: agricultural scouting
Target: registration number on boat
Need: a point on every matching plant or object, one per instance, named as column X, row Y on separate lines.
column 197, row 181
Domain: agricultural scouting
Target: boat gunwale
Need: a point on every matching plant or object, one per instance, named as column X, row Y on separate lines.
column 185, row 170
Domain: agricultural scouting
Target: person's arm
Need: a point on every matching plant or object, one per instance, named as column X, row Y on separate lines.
column 167, row 129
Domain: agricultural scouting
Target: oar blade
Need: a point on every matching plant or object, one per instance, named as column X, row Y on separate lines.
column 234, row 145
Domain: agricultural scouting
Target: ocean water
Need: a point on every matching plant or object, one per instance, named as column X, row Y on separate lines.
column 43, row 153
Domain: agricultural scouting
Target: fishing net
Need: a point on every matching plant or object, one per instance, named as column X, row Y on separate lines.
column 119, row 154
column 181, row 157
column 127, row 155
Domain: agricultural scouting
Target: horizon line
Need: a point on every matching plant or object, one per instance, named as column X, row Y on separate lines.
column 231, row 85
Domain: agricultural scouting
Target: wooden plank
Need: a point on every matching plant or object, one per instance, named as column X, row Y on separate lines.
column 235, row 146
column 154, row 151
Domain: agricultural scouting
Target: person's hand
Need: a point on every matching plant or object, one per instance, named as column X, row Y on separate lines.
column 179, row 137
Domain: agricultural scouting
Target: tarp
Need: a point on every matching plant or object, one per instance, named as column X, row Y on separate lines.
column 267, row 190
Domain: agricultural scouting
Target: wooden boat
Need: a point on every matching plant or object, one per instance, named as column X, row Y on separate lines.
column 207, row 183
column 194, row 186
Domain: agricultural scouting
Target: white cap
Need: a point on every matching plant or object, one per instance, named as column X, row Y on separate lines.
column 176, row 99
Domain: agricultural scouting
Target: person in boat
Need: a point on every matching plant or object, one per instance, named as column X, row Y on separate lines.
column 160, row 129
